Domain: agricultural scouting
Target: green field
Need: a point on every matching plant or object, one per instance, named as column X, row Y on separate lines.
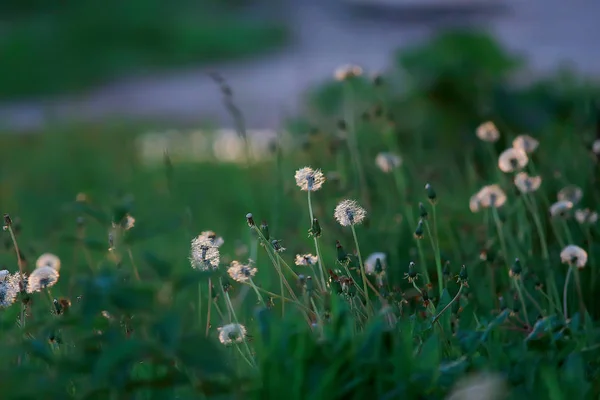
column 496, row 316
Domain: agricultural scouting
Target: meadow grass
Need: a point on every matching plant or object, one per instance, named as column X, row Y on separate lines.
column 472, row 273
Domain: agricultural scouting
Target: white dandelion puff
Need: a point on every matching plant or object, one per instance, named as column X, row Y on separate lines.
column 232, row 333
column 241, row 272
column 586, row 216
column 9, row 289
column 561, row 208
column 526, row 143
column 3, row 274
column 212, row 237
column 512, row 159
column 306, row 260
column 348, row 212
column 491, row 196
column 204, row 254
column 371, row 262
column 526, row 183
column 309, row 179
column 488, row 132
column 574, row 256
column 387, row 162
column 42, row 278
column 572, row 193
column 48, row 260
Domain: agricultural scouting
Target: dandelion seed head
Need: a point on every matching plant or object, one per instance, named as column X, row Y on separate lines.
column 348, row 212
column 9, row 289
column 306, row 260
column 572, row 193
column 574, row 255
column 309, row 179
column 205, row 255
column 387, row 162
column 526, row 183
column 241, row 272
column 512, row 159
column 371, row 262
column 474, row 203
column 525, row 143
column 3, row 274
column 48, row 260
column 42, row 278
column 347, row 71
column 212, row 237
column 491, row 196
column 232, row 333
column 586, row 216
column 488, row 132
column 560, row 208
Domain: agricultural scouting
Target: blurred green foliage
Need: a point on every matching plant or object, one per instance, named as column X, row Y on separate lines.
column 153, row 346
column 50, row 47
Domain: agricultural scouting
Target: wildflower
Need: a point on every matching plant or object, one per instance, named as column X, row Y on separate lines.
column 560, row 208
column 309, row 180
column 419, row 230
column 42, row 278
column 240, row 272
column 48, row 260
column 204, row 254
column 463, row 277
column 586, row 216
column 347, row 71
column 491, row 196
column 431, row 195
column 596, row 147
column 212, row 237
column 474, row 203
column 571, row 193
column 372, row 261
column 411, row 275
column 525, row 143
column 526, row 183
column 232, row 333
column 126, row 223
column 250, row 220
column 488, row 132
column 516, row 269
column 574, row 256
column 9, row 288
column 277, row 246
column 387, row 162
column 512, row 159
column 306, row 260
column 348, row 212
column 315, row 229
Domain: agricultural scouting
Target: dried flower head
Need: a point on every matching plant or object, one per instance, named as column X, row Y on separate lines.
column 488, row 132
column 512, row 159
column 241, row 272
column 306, row 260
column 371, row 262
column 232, row 333
column 526, row 143
column 491, row 196
column 348, row 212
column 474, row 203
column 574, row 256
column 9, row 289
column 526, row 183
column 586, row 216
column 212, row 237
column 309, row 179
column 347, row 71
column 560, row 208
column 48, row 260
column 596, row 147
column 42, row 278
column 387, row 162
column 571, row 193
column 204, row 254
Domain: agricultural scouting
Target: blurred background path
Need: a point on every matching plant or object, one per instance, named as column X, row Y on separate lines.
column 324, row 34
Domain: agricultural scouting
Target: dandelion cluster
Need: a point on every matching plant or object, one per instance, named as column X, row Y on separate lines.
column 42, row 278
column 348, row 213
column 309, row 179
column 205, row 254
column 232, row 333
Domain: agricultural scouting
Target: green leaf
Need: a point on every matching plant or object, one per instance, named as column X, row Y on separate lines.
column 429, row 356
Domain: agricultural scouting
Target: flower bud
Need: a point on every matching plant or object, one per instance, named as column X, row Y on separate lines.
column 250, row 220
column 419, row 230
column 431, row 195
column 516, row 269
column 315, row 229
column 422, row 211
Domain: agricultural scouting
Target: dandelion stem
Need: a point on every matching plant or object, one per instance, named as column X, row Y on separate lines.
column 362, row 268
column 200, row 301
column 21, row 276
column 565, row 292
column 319, row 259
column 133, row 265
column 210, row 301
column 228, row 301
column 281, row 279
column 436, row 250
column 439, row 315
column 522, row 300
column 580, row 296
column 501, row 237
column 257, row 292
column 531, row 298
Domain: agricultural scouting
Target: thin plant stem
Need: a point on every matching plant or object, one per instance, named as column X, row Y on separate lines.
column 281, row 279
column 580, row 296
column 531, row 298
column 133, row 265
column 21, row 276
column 257, row 292
column 565, row 292
column 522, row 300
column 319, row 259
column 230, row 306
column 436, row 250
column 456, row 297
column 501, row 237
column 362, row 268
column 209, row 305
column 200, row 301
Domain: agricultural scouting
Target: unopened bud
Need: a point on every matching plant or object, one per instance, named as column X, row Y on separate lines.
column 7, row 221
column 431, row 195
column 463, row 276
column 419, row 230
column 315, row 229
column 250, row 220
column 516, row 269
column 422, row 211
